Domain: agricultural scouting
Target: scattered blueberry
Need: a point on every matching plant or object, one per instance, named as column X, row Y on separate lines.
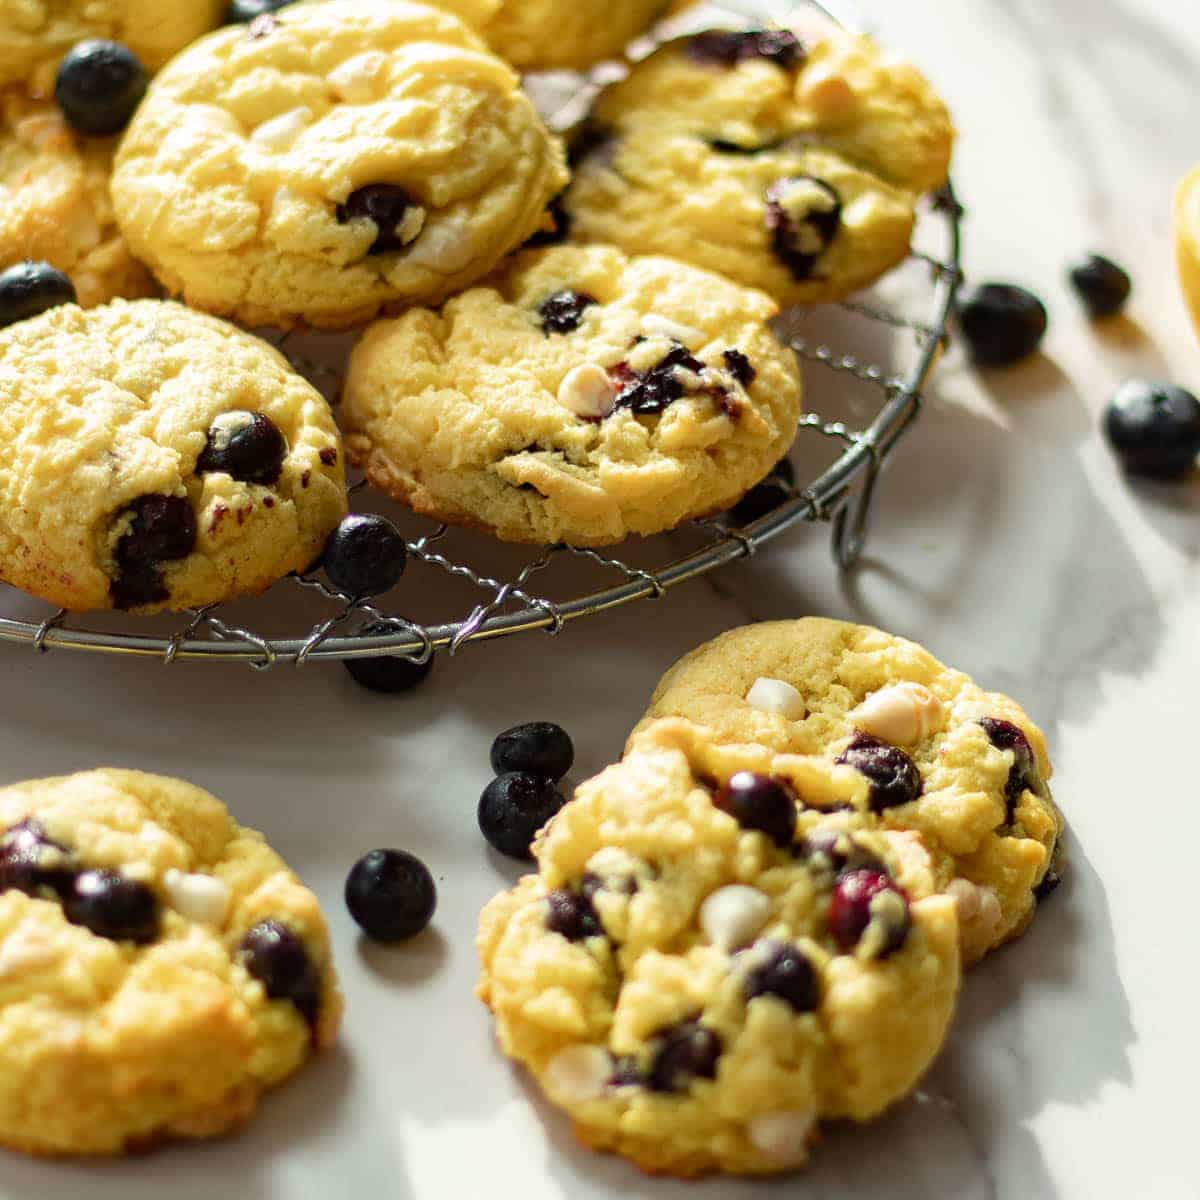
column 1023, row 774
column 740, row 367
column 562, row 311
column 365, row 555
column 762, row 803
column 391, row 894
column 32, row 863
column 31, row 288
column 1154, row 429
column 789, row 975
column 246, row 446
column 384, row 204
column 242, row 12
column 539, row 747
column 513, row 807
column 99, row 85
column 851, row 910
column 276, row 957
column 649, row 392
column 112, row 906
column 767, row 496
column 1101, row 285
column 688, row 1051
column 728, row 47
column 163, row 529
column 387, row 673
column 1002, row 323
column 837, row 852
column 893, row 776
column 800, row 234
column 572, row 915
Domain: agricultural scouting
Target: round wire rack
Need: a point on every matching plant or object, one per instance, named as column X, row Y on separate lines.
column 892, row 341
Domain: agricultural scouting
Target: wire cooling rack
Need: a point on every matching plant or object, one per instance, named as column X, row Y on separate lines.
column 873, row 355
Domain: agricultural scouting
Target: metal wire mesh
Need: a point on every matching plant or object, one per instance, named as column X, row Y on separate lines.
column 841, row 491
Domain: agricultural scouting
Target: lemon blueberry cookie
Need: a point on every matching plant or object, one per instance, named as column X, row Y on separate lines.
column 899, row 741
column 701, row 971
column 330, row 160
column 577, row 396
column 789, row 167
column 160, row 967
column 155, row 457
column 1187, row 241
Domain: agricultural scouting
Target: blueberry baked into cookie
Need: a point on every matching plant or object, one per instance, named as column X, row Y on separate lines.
column 789, row 167
column 160, row 967
column 154, row 457
column 895, row 740
column 330, row 160
column 703, row 969
column 578, row 396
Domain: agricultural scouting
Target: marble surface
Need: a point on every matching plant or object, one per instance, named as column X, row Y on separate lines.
column 1007, row 541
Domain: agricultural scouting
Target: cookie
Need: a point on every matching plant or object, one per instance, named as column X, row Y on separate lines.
column 788, row 167
column 579, row 396
column 700, row 971
column 160, row 967
column 54, row 202
column 35, row 34
column 897, row 739
column 155, row 458
column 331, row 160
column 1187, row 241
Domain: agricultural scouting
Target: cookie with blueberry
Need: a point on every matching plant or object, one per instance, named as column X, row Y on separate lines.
column 157, row 458
column 160, row 966
column 1187, row 241
column 898, row 741
column 789, row 166
column 702, row 970
column 579, row 396
column 331, row 160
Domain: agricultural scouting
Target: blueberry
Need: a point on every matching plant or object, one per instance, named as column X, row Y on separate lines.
column 276, row 957
column 803, row 215
column 539, row 747
column 162, row 529
column 365, row 555
column 836, row 852
column 767, row 496
column 561, row 312
column 760, row 802
column 572, row 915
column 386, row 206
column 242, row 12
column 387, row 673
column 1023, row 774
column 740, row 367
column 650, row 392
column 788, row 974
column 686, row 1052
column 513, row 807
column 112, row 906
column 1002, row 323
column 33, row 863
column 31, row 288
column 247, row 446
column 1154, row 429
column 1101, row 285
column 728, row 47
column 391, row 894
column 853, row 907
column 893, row 776
column 99, row 85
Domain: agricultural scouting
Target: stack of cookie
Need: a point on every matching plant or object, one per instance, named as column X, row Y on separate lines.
column 755, row 921
column 331, row 163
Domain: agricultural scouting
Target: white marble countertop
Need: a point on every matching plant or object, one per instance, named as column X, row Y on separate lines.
column 1008, row 542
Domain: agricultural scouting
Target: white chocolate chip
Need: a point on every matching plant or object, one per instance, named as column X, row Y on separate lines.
column 776, row 696
column 901, row 714
column 657, row 326
column 782, row 1136
column 280, row 132
column 577, row 1074
column 202, row 898
column 587, row 391
column 977, row 906
column 354, row 80
column 445, row 249
column 226, row 426
column 731, row 916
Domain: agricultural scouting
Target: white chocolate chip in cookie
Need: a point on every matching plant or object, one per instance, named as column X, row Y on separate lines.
column 782, row 1136
column 731, row 916
column 901, row 714
column 355, row 79
column 280, row 132
column 978, row 908
column 200, row 898
column 776, row 696
column 588, row 392
column 577, row 1074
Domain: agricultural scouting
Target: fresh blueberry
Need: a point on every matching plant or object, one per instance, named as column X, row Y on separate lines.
column 99, row 85
column 1154, row 429
column 386, row 206
column 539, row 747
column 686, row 1052
column 247, row 446
column 391, row 894
column 1101, row 285
column 365, row 555
column 803, row 215
column 767, row 496
column 893, row 776
column 760, row 802
column 31, row 288
column 836, row 852
column 728, row 47
column 242, row 12
column 513, row 807
column 387, row 673
column 276, row 957
column 562, row 311
column 162, row 529
column 33, row 863
column 572, row 915
column 853, row 907
column 1023, row 774
column 788, row 974
column 112, row 906
column 1002, row 323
